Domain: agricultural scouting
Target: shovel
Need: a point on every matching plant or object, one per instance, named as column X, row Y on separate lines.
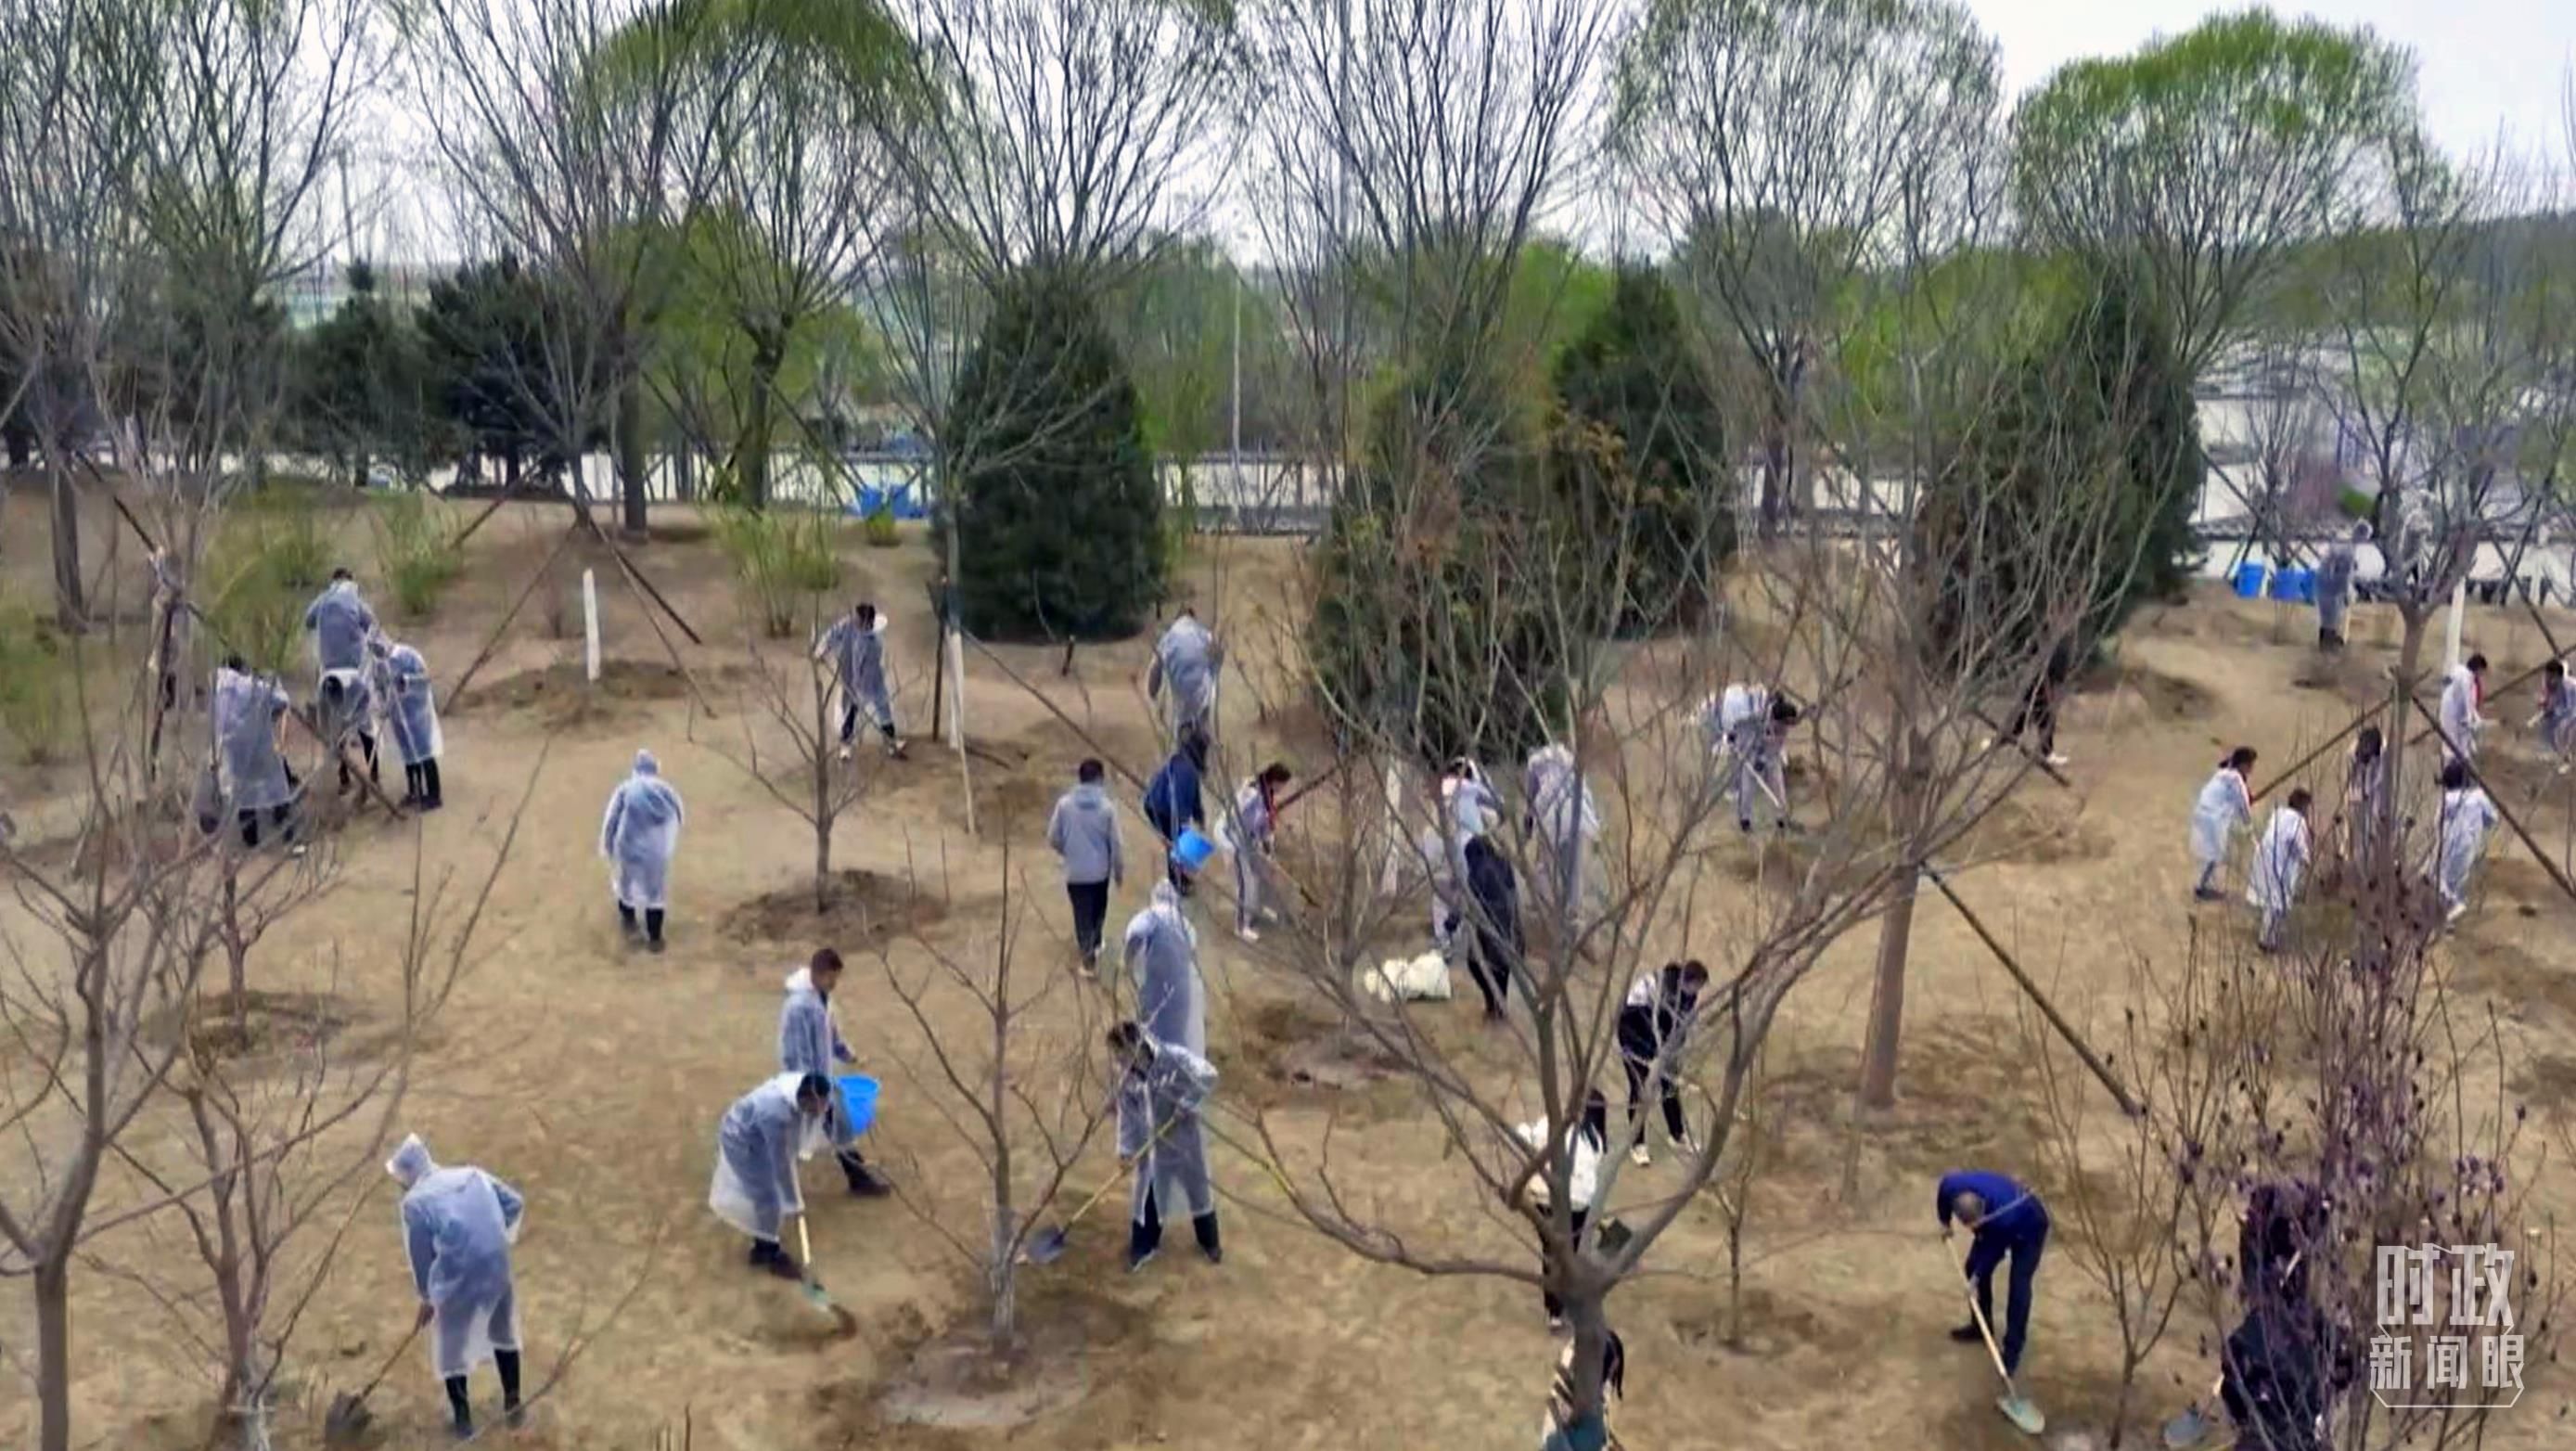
column 2017, row 1408
column 346, row 1423
column 811, row 1287
column 1048, row 1244
column 2192, row 1425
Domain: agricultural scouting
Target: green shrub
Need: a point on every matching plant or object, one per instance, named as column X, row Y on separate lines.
column 880, row 530
column 1056, row 506
column 781, row 560
column 414, row 553
column 35, row 687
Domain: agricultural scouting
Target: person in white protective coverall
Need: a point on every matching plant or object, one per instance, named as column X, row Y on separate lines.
column 2467, row 816
column 1188, row 662
column 2557, row 718
column 2224, row 808
column 1749, row 731
column 1566, row 822
column 2464, row 697
column 400, row 680
column 1162, row 954
column 1255, row 828
column 809, row 1041
column 638, row 835
column 2280, row 859
column 1161, row 1086
column 345, row 711
column 458, row 1226
column 758, row 1143
column 340, row 624
column 2365, row 792
column 252, row 773
column 856, row 647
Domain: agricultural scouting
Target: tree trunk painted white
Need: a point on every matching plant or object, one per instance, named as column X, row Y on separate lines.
column 590, row 624
column 2451, row 630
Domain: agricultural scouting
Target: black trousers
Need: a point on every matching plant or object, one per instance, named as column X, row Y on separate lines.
column 850, row 723
column 420, row 782
column 1169, row 830
column 1489, row 962
column 277, row 814
column 1146, row 1234
column 1090, row 909
column 366, row 748
column 1638, row 1050
column 652, row 921
column 2038, row 711
column 458, row 1406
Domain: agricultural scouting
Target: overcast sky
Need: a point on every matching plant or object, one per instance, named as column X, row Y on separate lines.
column 2483, row 65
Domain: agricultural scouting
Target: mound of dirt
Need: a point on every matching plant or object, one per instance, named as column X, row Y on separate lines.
column 862, row 910
column 560, row 696
column 266, row 1022
column 2017, row 831
column 954, row 1383
column 1768, row 1328
column 2168, row 697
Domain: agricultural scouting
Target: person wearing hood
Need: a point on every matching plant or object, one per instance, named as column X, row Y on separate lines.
column 810, row 1042
column 1162, row 954
column 1256, row 814
column 2464, row 697
column 638, row 835
column 2280, row 859
column 253, row 777
column 411, row 709
column 1161, row 1087
column 2557, row 718
column 758, row 1144
column 2224, row 807
column 856, row 647
column 1174, row 800
column 2467, row 816
column 2334, row 586
column 1562, row 814
column 1083, row 831
column 340, row 623
column 458, row 1226
column 1187, row 663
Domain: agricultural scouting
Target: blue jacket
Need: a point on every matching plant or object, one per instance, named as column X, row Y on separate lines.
column 1172, row 798
column 2011, row 1210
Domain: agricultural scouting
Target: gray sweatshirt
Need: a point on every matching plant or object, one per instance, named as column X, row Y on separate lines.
column 1084, row 831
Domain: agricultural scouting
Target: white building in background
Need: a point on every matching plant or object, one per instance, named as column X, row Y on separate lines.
column 317, row 292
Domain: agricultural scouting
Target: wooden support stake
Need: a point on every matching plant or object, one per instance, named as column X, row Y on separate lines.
column 2039, row 999
column 2302, row 763
column 456, row 693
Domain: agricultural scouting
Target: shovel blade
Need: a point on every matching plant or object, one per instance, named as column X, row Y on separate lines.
column 1046, row 1247
column 2022, row 1413
column 347, row 1420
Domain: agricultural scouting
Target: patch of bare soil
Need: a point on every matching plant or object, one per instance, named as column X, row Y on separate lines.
column 2526, row 990
column 862, row 911
column 953, row 1382
column 2019, row 829
column 2548, row 1082
column 2167, row 697
column 2357, row 682
column 1768, row 1328
column 562, row 698
column 267, row 1022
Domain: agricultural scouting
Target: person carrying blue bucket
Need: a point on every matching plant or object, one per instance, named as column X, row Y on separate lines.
column 1174, row 803
column 809, row 1041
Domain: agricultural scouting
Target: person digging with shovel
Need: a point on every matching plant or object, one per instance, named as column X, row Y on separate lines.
column 1161, row 1087
column 757, row 1145
column 458, row 1226
column 2003, row 1219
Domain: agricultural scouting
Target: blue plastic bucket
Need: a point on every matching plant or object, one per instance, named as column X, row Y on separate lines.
column 2303, row 585
column 872, row 501
column 1193, row 849
column 2249, row 580
column 858, row 1101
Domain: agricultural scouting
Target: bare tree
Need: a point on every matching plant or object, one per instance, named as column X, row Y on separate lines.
column 1020, row 1085
column 1782, row 148
column 814, row 776
column 278, row 1136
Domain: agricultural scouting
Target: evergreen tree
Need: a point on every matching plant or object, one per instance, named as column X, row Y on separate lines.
column 1437, row 579
column 359, row 384
column 1059, row 512
column 2093, row 458
column 485, row 364
column 1656, row 511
